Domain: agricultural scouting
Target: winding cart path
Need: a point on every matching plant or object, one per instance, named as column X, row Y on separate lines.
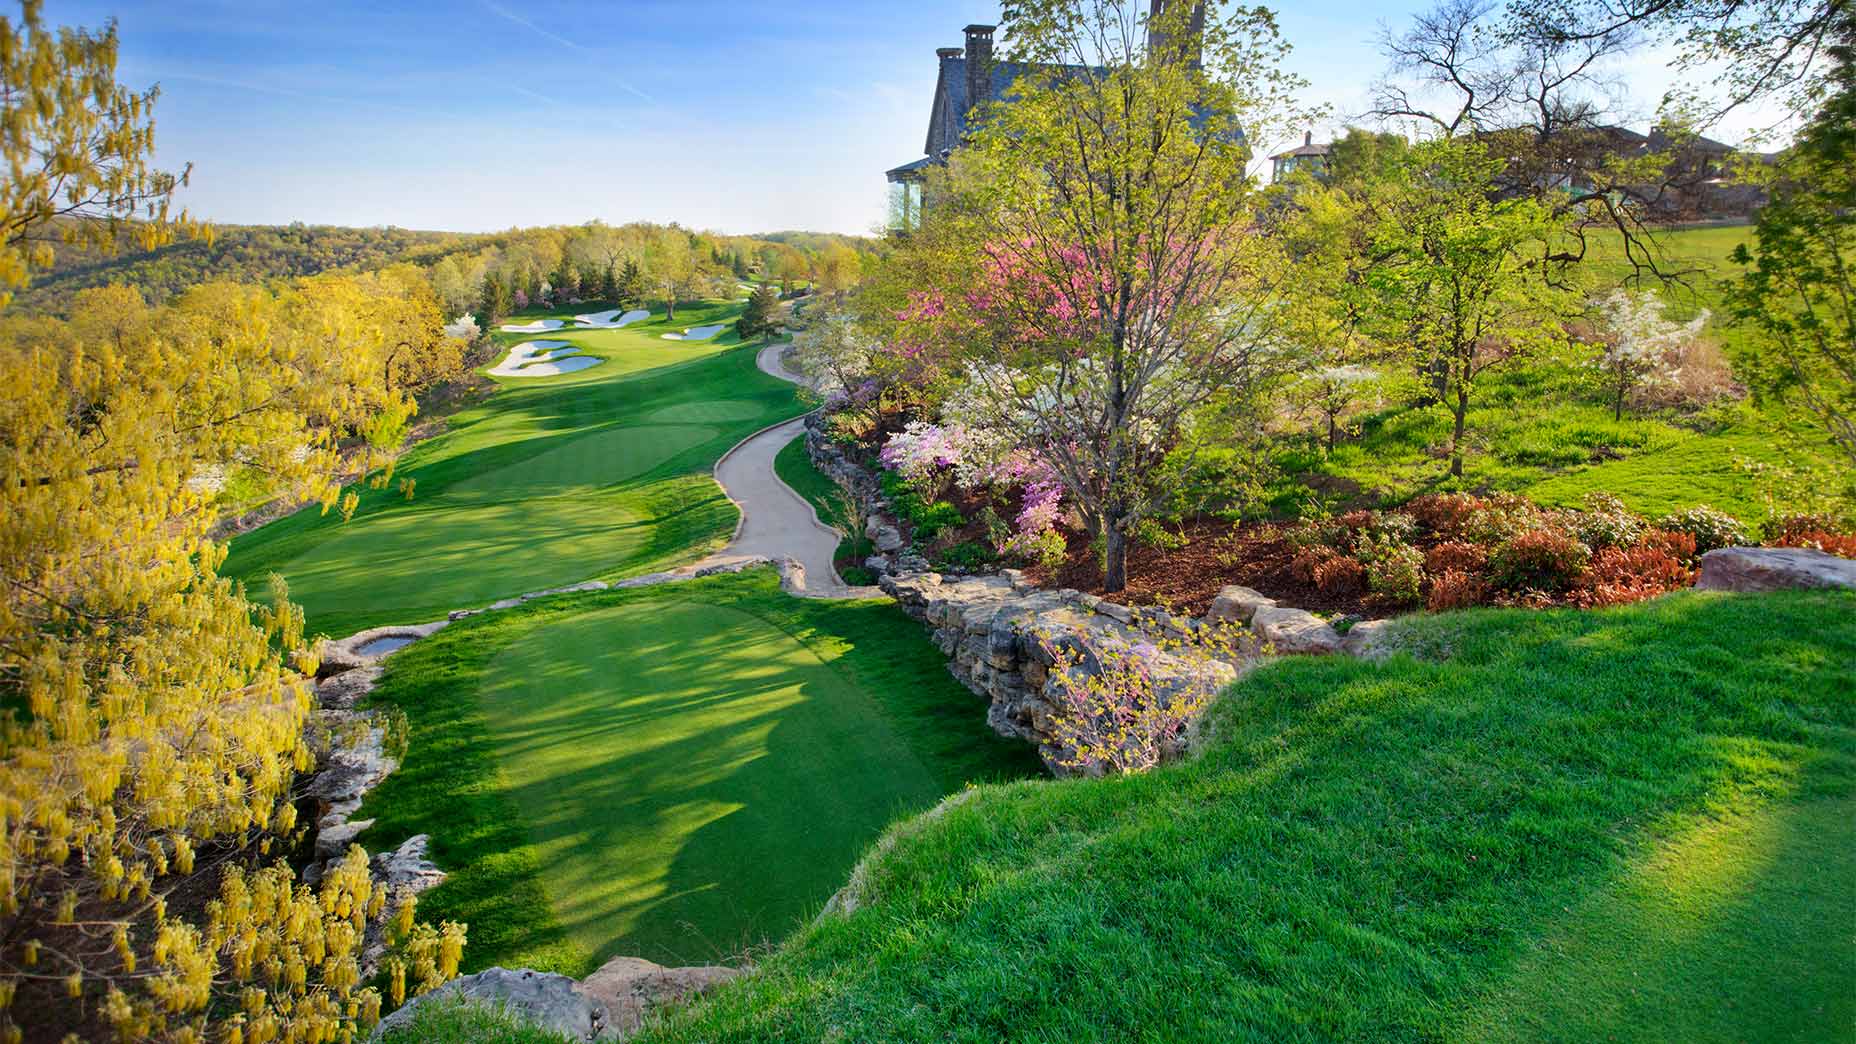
column 776, row 522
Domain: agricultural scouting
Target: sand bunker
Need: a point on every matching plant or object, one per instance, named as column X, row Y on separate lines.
column 696, row 333
column 543, row 359
column 538, row 326
column 605, row 320
column 551, row 369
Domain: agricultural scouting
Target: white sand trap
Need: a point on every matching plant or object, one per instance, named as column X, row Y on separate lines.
column 696, row 333
column 524, row 359
column 604, row 320
column 538, row 326
column 552, row 369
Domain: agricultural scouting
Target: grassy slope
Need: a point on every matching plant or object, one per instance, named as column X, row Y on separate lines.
column 672, row 772
column 550, row 481
column 1631, row 824
column 1543, row 433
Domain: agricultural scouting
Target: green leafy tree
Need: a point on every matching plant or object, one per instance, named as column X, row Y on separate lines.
column 1797, row 290
column 1463, row 274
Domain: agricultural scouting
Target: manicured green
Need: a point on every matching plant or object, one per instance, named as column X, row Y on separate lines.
column 1546, row 432
column 550, row 481
column 679, row 772
column 1631, row 824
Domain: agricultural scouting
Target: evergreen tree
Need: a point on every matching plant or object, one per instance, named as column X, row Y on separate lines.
column 631, row 284
column 759, row 316
column 609, row 285
column 494, row 301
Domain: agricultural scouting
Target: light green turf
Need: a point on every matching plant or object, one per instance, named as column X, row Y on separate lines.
column 550, row 481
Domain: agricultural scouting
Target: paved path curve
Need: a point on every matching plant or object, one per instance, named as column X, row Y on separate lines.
column 775, row 521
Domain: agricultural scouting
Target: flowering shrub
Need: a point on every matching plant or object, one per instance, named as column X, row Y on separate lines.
column 1035, row 535
column 464, row 328
column 1394, row 568
column 1498, row 518
column 1640, row 348
column 1123, row 707
column 521, row 298
column 921, row 449
column 1711, row 529
column 1541, row 560
column 1606, row 522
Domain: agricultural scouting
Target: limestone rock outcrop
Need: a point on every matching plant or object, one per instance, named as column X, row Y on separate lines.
column 551, row 1002
column 1002, row 638
column 632, row 987
column 1773, row 569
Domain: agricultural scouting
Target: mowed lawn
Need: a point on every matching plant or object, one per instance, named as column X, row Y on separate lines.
column 552, row 480
column 680, row 773
column 1635, row 824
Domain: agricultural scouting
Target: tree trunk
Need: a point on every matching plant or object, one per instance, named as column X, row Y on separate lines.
column 670, row 306
column 1331, row 432
column 1114, row 559
column 1456, row 436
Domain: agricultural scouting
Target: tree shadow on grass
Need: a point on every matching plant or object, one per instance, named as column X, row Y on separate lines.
column 725, row 792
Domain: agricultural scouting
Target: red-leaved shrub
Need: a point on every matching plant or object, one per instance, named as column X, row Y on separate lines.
column 1813, row 531
column 1339, row 575
column 1677, row 545
column 1460, row 555
column 1455, row 589
column 1443, row 514
column 1543, row 560
column 1630, row 574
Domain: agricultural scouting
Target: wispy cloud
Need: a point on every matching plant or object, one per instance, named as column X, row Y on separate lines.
column 503, row 12
column 286, row 92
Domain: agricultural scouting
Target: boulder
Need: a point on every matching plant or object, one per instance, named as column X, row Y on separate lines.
column 877, row 563
column 888, row 540
column 408, row 867
column 344, row 690
column 1773, row 569
column 631, row 988
column 1294, row 630
column 1237, row 604
column 550, row 1002
column 1368, row 639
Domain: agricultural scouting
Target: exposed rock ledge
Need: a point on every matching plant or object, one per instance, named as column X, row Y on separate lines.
column 611, row 1004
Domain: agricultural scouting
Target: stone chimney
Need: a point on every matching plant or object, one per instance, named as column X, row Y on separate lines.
column 1193, row 49
column 979, row 64
column 1308, row 138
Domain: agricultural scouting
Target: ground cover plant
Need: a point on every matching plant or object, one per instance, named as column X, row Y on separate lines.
column 550, row 481
column 1560, row 825
column 679, row 773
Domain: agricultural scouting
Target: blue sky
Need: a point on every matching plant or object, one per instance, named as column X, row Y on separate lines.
column 476, row 115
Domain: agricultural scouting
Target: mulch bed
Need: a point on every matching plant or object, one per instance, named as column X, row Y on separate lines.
column 1186, row 579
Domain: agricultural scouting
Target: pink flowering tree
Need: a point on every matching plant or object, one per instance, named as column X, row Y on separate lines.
column 1090, row 265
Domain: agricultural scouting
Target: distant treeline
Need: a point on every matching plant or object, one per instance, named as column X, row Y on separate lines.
column 457, row 263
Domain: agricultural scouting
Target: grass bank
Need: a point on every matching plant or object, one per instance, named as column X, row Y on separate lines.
column 680, row 773
column 1632, row 824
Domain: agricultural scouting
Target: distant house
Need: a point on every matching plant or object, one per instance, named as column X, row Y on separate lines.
column 1307, row 156
column 970, row 76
